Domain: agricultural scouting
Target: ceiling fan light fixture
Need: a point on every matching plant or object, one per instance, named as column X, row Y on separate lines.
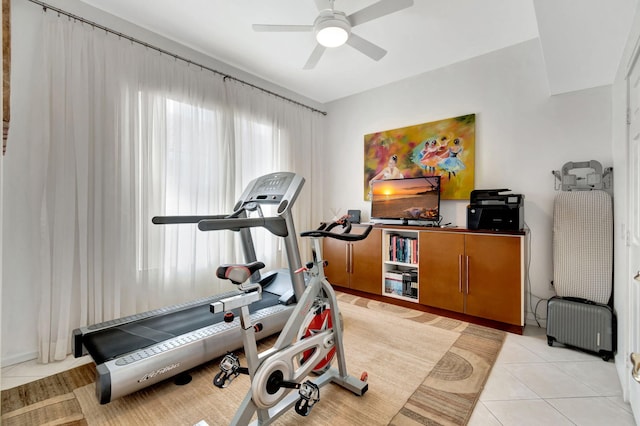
column 332, row 31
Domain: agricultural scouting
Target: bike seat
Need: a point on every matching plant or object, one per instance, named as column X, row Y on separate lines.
column 238, row 273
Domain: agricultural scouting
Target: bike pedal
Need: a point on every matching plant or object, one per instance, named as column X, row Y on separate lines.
column 309, row 394
column 229, row 370
column 222, row 380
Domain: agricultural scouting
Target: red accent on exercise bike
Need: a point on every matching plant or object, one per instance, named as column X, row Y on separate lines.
column 319, row 322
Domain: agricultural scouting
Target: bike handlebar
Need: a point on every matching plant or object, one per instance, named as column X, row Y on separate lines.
column 325, row 231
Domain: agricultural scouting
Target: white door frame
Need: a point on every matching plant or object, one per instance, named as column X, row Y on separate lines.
column 632, row 335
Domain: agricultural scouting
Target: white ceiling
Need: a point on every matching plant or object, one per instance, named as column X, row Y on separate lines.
column 582, row 40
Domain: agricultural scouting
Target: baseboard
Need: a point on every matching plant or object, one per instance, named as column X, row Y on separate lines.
column 17, row 359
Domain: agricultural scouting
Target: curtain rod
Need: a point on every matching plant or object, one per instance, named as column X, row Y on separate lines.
column 225, row 76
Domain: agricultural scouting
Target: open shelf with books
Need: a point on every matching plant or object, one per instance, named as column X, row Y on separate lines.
column 400, row 264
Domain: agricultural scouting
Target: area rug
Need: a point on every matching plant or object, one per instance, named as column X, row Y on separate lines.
column 422, row 368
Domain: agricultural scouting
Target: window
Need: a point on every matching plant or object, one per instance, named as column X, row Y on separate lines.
column 196, row 160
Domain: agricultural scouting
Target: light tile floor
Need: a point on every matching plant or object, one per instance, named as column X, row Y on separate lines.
column 530, row 384
column 535, row 384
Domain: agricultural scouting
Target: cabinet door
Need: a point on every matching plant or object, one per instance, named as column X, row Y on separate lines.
column 336, row 253
column 441, row 257
column 366, row 263
column 494, row 277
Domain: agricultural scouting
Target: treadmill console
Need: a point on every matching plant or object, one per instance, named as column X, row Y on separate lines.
column 270, row 188
column 275, row 188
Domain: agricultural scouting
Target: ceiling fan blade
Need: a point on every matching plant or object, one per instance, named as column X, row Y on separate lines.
column 323, row 4
column 315, row 57
column 371, row 50
column 281, row 28
column 376, row 10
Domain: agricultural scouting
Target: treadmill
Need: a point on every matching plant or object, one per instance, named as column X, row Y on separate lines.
column 140, row 350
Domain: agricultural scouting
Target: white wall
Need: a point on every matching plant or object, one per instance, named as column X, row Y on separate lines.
column 19, row 299
column 1, row 185
column 522, row 134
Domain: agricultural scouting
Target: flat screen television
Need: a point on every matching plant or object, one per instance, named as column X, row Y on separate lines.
column 406, row 201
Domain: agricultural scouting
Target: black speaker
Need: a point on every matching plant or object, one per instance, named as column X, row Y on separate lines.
column 354, row 216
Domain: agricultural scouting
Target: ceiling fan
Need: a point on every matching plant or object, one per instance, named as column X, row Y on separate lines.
column 333, row 28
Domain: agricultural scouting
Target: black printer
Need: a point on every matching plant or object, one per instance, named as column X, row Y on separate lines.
column 490, row 209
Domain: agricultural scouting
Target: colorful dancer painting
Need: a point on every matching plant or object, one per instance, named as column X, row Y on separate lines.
column 445, row 148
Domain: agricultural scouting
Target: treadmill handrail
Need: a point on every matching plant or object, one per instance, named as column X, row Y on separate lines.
column 276, row 225
column 169, row 220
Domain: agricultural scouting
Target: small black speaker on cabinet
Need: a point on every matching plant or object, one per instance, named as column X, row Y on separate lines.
column 354, row 216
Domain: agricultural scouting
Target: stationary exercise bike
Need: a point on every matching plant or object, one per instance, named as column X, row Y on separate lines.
column 309, row 341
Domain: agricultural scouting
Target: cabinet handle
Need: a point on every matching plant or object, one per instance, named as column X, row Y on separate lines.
column 467, row 274
column 351, row 257
column 460, row 273
column 346, row 257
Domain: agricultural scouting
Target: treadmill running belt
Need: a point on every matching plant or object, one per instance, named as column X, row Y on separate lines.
column 110, row 343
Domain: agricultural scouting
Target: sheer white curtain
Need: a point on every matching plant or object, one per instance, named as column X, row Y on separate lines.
column 85, row 243
column 130, row 134
column 271, row 133
column 185, row 167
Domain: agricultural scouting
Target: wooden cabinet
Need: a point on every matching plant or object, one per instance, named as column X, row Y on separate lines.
column 476, row 274
column 495, row 277
column 355, row 265
column 441, row 270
